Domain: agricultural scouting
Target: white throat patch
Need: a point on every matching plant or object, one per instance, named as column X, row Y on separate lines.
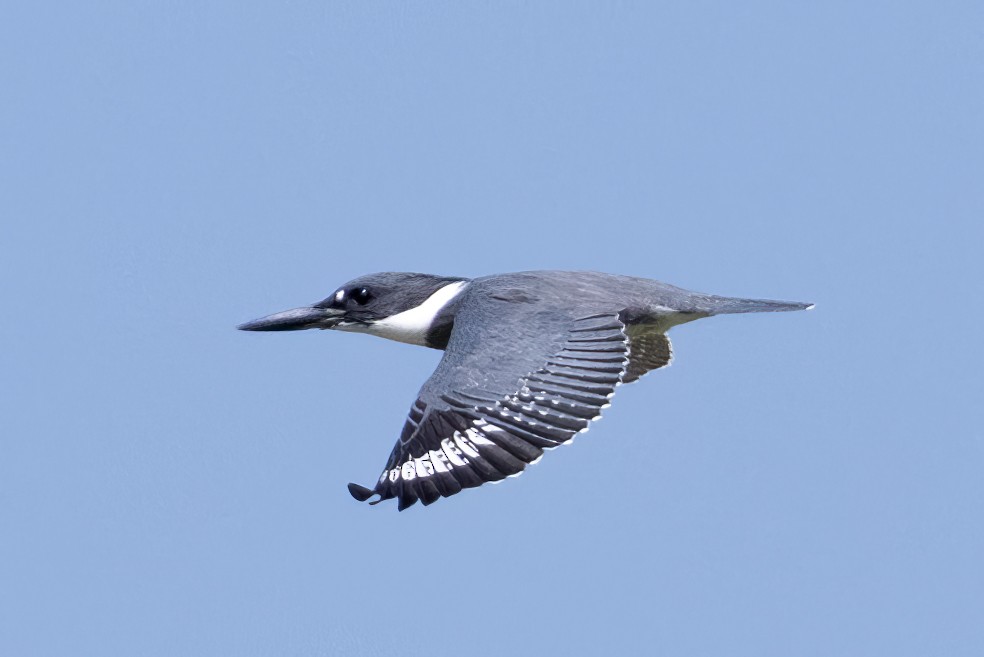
column 411, row 326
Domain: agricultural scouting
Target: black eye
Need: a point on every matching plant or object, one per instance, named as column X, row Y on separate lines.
column 361, row 295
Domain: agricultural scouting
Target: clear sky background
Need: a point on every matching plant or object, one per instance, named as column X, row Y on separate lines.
column 797, row 484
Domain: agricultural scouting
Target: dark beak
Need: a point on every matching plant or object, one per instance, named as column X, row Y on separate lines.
column 296, row 319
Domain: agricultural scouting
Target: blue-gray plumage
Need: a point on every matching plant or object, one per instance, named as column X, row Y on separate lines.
column 530, row 359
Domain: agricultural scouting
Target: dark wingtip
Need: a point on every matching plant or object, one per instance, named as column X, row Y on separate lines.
column 360, row 493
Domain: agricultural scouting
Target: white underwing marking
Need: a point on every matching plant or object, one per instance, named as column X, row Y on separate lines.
column 478, row 438
column 485, row 426
column 453, row 453
column 464, row 445
column 440, row 461
column 423, row 466
column 407, row 471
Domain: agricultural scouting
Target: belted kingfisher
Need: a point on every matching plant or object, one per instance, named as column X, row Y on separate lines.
column 530, row 359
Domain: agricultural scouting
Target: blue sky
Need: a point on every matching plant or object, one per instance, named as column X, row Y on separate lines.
column 804, row 484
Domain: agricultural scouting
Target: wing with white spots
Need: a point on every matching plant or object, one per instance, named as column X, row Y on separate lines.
column 501, row 396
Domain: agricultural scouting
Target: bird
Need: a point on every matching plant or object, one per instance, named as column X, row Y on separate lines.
column 530, row 360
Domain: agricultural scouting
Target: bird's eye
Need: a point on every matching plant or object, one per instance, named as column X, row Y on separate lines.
column 361, row 295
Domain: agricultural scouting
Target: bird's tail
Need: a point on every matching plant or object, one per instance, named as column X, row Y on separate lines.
column 727, row 305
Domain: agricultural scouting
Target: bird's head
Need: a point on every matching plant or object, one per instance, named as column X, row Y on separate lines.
column 396, row 305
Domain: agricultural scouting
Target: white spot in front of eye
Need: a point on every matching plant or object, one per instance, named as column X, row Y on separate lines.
column 339, row 296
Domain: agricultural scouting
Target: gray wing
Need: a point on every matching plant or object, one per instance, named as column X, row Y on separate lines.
column 503, row 393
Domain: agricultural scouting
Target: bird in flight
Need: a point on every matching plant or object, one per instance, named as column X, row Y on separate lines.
column 530, row 359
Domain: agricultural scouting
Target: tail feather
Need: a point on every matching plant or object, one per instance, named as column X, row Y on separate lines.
column 728, row 305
